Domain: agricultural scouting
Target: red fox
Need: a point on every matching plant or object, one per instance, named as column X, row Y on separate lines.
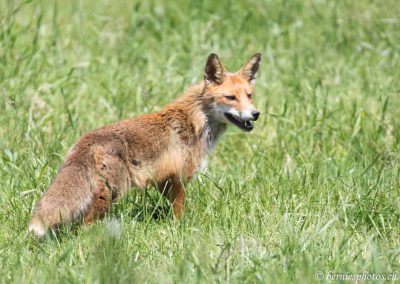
column 163, row 149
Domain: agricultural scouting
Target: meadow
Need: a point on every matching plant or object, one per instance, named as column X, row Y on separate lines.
column 312, row 191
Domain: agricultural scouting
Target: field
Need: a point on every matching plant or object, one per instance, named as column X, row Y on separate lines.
column 313, row 191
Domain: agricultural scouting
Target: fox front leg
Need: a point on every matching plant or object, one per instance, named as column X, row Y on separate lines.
column 177, row 197
column 174, row 191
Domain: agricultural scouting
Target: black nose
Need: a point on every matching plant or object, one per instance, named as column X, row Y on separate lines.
column 255, row 114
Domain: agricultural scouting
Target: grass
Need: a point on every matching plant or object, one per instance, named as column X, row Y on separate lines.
column 315, row 187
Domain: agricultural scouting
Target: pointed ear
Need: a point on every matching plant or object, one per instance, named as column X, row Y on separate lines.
column 249, row 70
column 214, row 71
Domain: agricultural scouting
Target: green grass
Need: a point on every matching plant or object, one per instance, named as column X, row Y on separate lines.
column 315, row 187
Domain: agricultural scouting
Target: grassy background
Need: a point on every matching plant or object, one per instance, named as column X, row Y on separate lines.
column 315, row 187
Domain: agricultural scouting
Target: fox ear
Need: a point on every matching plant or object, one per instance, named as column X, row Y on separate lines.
column 249, row 70
column 214, row 71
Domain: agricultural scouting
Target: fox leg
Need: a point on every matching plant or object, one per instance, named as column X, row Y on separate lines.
column 111, row 180
column 176, row 196
column 175, row 193
column 101, row 203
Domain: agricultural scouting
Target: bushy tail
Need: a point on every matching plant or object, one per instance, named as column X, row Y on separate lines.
column 67, row 198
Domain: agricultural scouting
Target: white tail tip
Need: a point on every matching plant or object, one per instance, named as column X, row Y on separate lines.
column 37, row 229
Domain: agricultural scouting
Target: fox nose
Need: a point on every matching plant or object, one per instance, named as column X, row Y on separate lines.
column 255, row 114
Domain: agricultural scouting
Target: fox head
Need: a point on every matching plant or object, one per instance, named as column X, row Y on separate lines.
column 231, row 94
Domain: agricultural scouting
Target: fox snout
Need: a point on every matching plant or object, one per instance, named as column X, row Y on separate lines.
column 255, row 114
column 251, row 114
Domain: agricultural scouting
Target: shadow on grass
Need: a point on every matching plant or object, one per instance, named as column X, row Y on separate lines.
column 140, row 214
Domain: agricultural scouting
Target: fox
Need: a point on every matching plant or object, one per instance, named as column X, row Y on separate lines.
column 163, row 149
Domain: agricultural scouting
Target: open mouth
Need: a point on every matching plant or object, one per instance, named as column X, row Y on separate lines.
column 242, row 124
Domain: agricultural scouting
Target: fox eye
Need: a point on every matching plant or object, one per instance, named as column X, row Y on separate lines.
column 231, row 98
column 250, row 96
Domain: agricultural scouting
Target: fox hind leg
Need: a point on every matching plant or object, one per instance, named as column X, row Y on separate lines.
column 101, row 202
column 110, row 182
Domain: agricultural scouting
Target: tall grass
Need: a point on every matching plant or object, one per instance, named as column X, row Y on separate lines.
column 315, row 187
